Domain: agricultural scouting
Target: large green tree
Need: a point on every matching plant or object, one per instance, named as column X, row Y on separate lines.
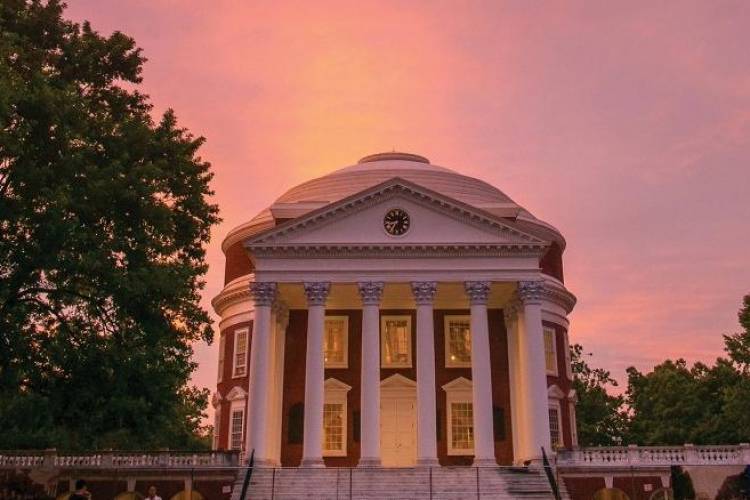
column 600, row 418
column 103, row 222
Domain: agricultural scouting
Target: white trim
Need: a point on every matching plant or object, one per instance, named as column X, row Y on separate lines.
column 237, row 333
column 383, row 321
column 336, row 392
column 449, row 363
column 344, row 342
column 568, row 360
column 217, row 428
column 554, row 392
column 545, row 330
column 555, row 404
column 459, row 390
column 236, row 406
column 573, row 423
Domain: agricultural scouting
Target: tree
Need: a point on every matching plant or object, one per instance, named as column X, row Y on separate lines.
column 738, row 345
column 103, row 222
column 600, row 418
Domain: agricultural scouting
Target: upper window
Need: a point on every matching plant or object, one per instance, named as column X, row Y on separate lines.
column 240, row 353
column 235, row 437
column 395, row 341
column 457, row 341
column 550, row 353
column 335, row 349
column 222, row 348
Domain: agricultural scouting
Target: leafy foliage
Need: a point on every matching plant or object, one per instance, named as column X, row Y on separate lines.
column 103, row 223
column 600, row 418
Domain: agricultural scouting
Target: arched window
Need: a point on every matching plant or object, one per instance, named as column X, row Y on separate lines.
column 610, row 494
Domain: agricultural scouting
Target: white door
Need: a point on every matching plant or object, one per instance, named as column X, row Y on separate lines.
column 398, row 431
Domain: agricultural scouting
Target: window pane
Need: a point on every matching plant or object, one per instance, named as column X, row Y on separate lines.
column 549, row 349
column 397, row 339
column 459, row 341
column 240, row 353
column 334, row 342
column 236, row 436
column 333, row 427
column 462, row 426
column 554, row 428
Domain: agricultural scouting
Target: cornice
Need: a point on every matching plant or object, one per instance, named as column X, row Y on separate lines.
column 560, row 296
column 395, row 250
column 234, row 293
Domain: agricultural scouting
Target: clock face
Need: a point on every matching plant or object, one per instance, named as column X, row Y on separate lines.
column 396, row 222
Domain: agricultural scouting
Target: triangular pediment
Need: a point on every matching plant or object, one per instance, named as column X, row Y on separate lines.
column 397, row 381
column 458, row 384
column 236, row 393
column 435, row 221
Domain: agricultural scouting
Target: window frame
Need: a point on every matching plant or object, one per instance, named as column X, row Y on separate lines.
column 217, row 427
column 568, row 360
column 446, row 336
column 553, row 371
column 222, row 356
column 383, row 331
column 573, row 423
column 344, row 343
column 459, row 390
column 336, row 392
column 237, row 332
column 554, row 404
column 236, row 407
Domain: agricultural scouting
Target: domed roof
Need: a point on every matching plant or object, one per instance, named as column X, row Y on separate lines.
column 375, row 169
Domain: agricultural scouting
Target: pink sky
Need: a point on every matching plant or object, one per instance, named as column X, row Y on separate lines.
column 626, row 125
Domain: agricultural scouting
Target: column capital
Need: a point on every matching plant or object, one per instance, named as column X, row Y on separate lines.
column 511, row 309
column 263, row 292
column 530, row 292
column 371, row 292
column 317, row 292
column 424, row 291
column 478, row 291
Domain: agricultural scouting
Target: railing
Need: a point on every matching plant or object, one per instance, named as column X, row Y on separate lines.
column 617, row 456
column 118, row 459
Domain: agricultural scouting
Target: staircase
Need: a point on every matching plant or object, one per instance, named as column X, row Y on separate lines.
column 439, row 483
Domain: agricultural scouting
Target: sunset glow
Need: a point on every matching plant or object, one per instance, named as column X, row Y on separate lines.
column 627, row 126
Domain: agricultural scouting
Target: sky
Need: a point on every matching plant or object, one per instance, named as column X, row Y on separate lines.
column 624, row 124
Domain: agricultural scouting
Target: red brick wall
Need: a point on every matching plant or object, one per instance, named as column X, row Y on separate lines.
column 228, row 383
column 237, row 262
column 552, row 264
column 562, row 381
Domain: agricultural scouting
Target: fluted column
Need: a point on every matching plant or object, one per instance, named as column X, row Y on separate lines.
column 481, row 374
column 371, row 293
column 510, row 313
column 532, row 371
column 424, row 295
column 263, row 294
column 312, row 447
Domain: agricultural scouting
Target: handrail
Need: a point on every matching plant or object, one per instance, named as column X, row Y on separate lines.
column 248, row 474
column 550, row 476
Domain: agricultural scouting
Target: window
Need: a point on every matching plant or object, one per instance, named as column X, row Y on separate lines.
column 236, row 429
column 335, row 348
column 555, row 427
column 462, row 427
column 335, row 418
column 573, row 424
column 457, row 341
column 217, row 424
column 222, row 348
column 333, row 428
column 460, row 416
column 550, row 353
column 240, row 353
column 395, row 341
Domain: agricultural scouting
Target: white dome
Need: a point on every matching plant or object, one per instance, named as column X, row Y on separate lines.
column 375, row 169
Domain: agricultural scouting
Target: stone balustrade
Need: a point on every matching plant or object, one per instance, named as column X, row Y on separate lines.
column 619, row 456
column 51, row 459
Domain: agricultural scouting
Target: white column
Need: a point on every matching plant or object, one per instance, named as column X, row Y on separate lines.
column 533, row 373
column 510, row 313
column 312, row 447
column 371, row 293
column 281, row 320
column 424, row 294
column 263, row 294
column 481, row 374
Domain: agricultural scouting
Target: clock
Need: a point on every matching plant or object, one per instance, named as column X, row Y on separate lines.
column 396, row 222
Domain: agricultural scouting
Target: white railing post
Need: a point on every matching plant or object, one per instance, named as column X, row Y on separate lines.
column 634, row 454
column 691, row 454
column 745, row 452
column 49, row 458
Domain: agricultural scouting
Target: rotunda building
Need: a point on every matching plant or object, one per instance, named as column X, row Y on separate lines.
column 394, row 313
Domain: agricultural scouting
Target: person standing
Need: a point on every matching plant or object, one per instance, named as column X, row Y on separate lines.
column 152, row 494
column 82, row 491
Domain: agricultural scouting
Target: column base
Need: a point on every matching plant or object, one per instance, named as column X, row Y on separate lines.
column 369, row 462
column 428, row 462
column 484, row 462
column 312, row 462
